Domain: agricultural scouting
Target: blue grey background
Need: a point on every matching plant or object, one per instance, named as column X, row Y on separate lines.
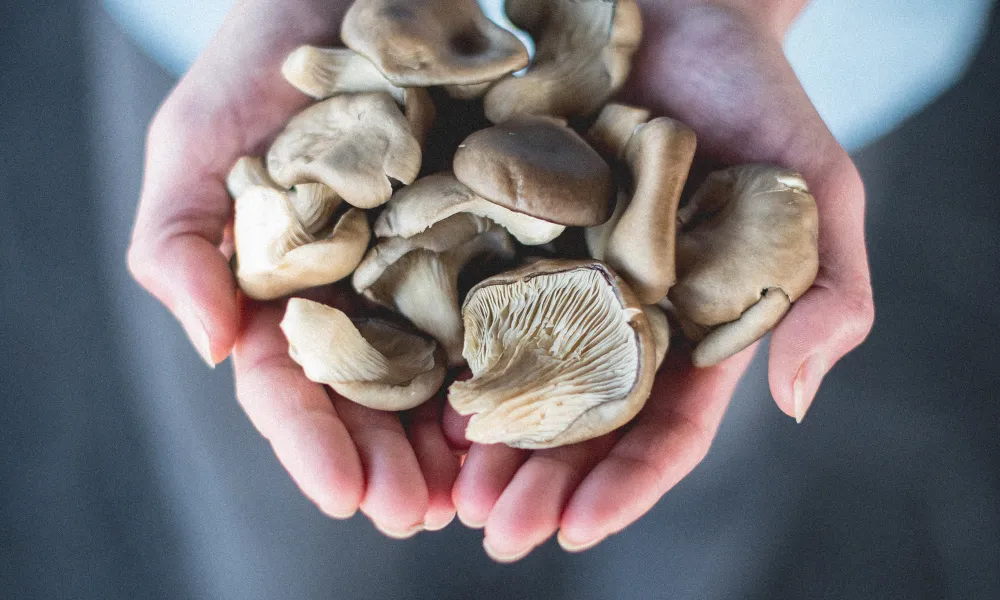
column 129, row 471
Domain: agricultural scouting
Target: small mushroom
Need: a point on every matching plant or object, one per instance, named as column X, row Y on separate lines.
column 560, row 351
column 432, row 199
column 284, row 239
column 639, row 240
column 325, row 72
column 747, row 249
column 538, row 167
column 419, row 43
column 369, row 361
column 353, row 143
column 418, row 276
column 583, row 56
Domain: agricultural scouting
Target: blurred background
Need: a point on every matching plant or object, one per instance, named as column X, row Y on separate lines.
column 129, row 471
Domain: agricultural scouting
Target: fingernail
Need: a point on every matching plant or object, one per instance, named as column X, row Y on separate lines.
column 805, row 386
column 433, row 524
column 199, row 337
column 340, row 516
column 401, row 535
column 569, row 546
column 471, row 524
column 503, row 558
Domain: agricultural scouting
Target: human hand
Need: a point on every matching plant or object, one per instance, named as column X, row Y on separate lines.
column 230, row 104
column 718, row 66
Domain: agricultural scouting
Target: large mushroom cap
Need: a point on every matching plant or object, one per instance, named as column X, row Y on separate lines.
column 560, row 351
column 583, row 56
column 356, row 144
column 432, row 42
column 747, row 248
column 539, row 167
column 369, row 361
column 434, row 198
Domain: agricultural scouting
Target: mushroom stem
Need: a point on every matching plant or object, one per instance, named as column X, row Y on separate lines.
column 249, row 171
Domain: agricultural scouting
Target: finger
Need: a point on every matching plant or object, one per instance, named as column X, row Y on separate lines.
column 437, row 462
column 295, row 415
column 454, row 426
column 837, row 313
column 482, row 479
column 671, row 436
column 528, row 511
column 395, row 492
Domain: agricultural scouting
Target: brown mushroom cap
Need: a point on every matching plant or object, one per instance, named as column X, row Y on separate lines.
column 418, row 43
column 561, row 351
column 539, row 167
column 747, row 248
column 583, row 56
column 354, row 143
column 369, row 361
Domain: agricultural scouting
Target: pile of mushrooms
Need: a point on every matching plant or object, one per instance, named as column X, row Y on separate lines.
column 548, row 258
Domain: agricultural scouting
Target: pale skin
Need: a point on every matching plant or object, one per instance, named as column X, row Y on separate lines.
column 715, row 64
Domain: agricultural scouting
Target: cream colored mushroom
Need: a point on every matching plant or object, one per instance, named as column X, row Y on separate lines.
column 284, row 239
column 538, row 167
column 325, row 72
column 660, row 327
column 747, row 249
column 356, row 144
column 432, row 42
column 639, row 240
column 432, row 199
column 560, row 351
column 418, row 276
column 369, row 361
column 583, row 56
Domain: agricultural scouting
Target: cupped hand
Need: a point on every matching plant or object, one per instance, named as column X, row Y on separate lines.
column 232, row 103
column 719, row 67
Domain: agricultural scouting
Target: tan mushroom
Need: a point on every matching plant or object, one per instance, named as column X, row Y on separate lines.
column 432, row 199
column 369, row 361
column 418, row 276
column 538, row 167
column 583, row 56
column 419, row 43
column 639, row 240
column 325, row 72
column 284, row 239
column 560, row 351
column 747, row 249
column 660, row 327
column 356, row 144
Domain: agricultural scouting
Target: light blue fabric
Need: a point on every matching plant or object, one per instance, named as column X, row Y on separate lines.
column 866, row 65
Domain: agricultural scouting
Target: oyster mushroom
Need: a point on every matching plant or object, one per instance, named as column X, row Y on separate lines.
column 284, row 239
column 432, row 199
column 660, row 326
column 353, row 143
column 369, row 361
column 432, row 42
column 418, row 276
column 325, row 72
column 639, row 240
column 583, row 56
column 538, row 167
column 560, row 351
column 747, row 249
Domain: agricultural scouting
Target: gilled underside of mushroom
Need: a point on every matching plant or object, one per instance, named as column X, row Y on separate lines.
column 370, row 361
column 554, row 358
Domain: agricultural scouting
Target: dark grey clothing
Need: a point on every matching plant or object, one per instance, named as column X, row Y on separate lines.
column 129, row 470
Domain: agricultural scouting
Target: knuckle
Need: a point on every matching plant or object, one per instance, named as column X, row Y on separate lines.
column 859, row 314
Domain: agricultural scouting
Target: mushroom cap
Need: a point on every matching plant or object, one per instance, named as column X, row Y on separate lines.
column 324, row 72
column 582, row 57
column 434, row 198
column 660, row 326
column 372, row 362
column 539, row 167
column 276, row 256
column 352, row 143
column 417, row 43
column 747, row 229
column 641, row 245
column 561, row 351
